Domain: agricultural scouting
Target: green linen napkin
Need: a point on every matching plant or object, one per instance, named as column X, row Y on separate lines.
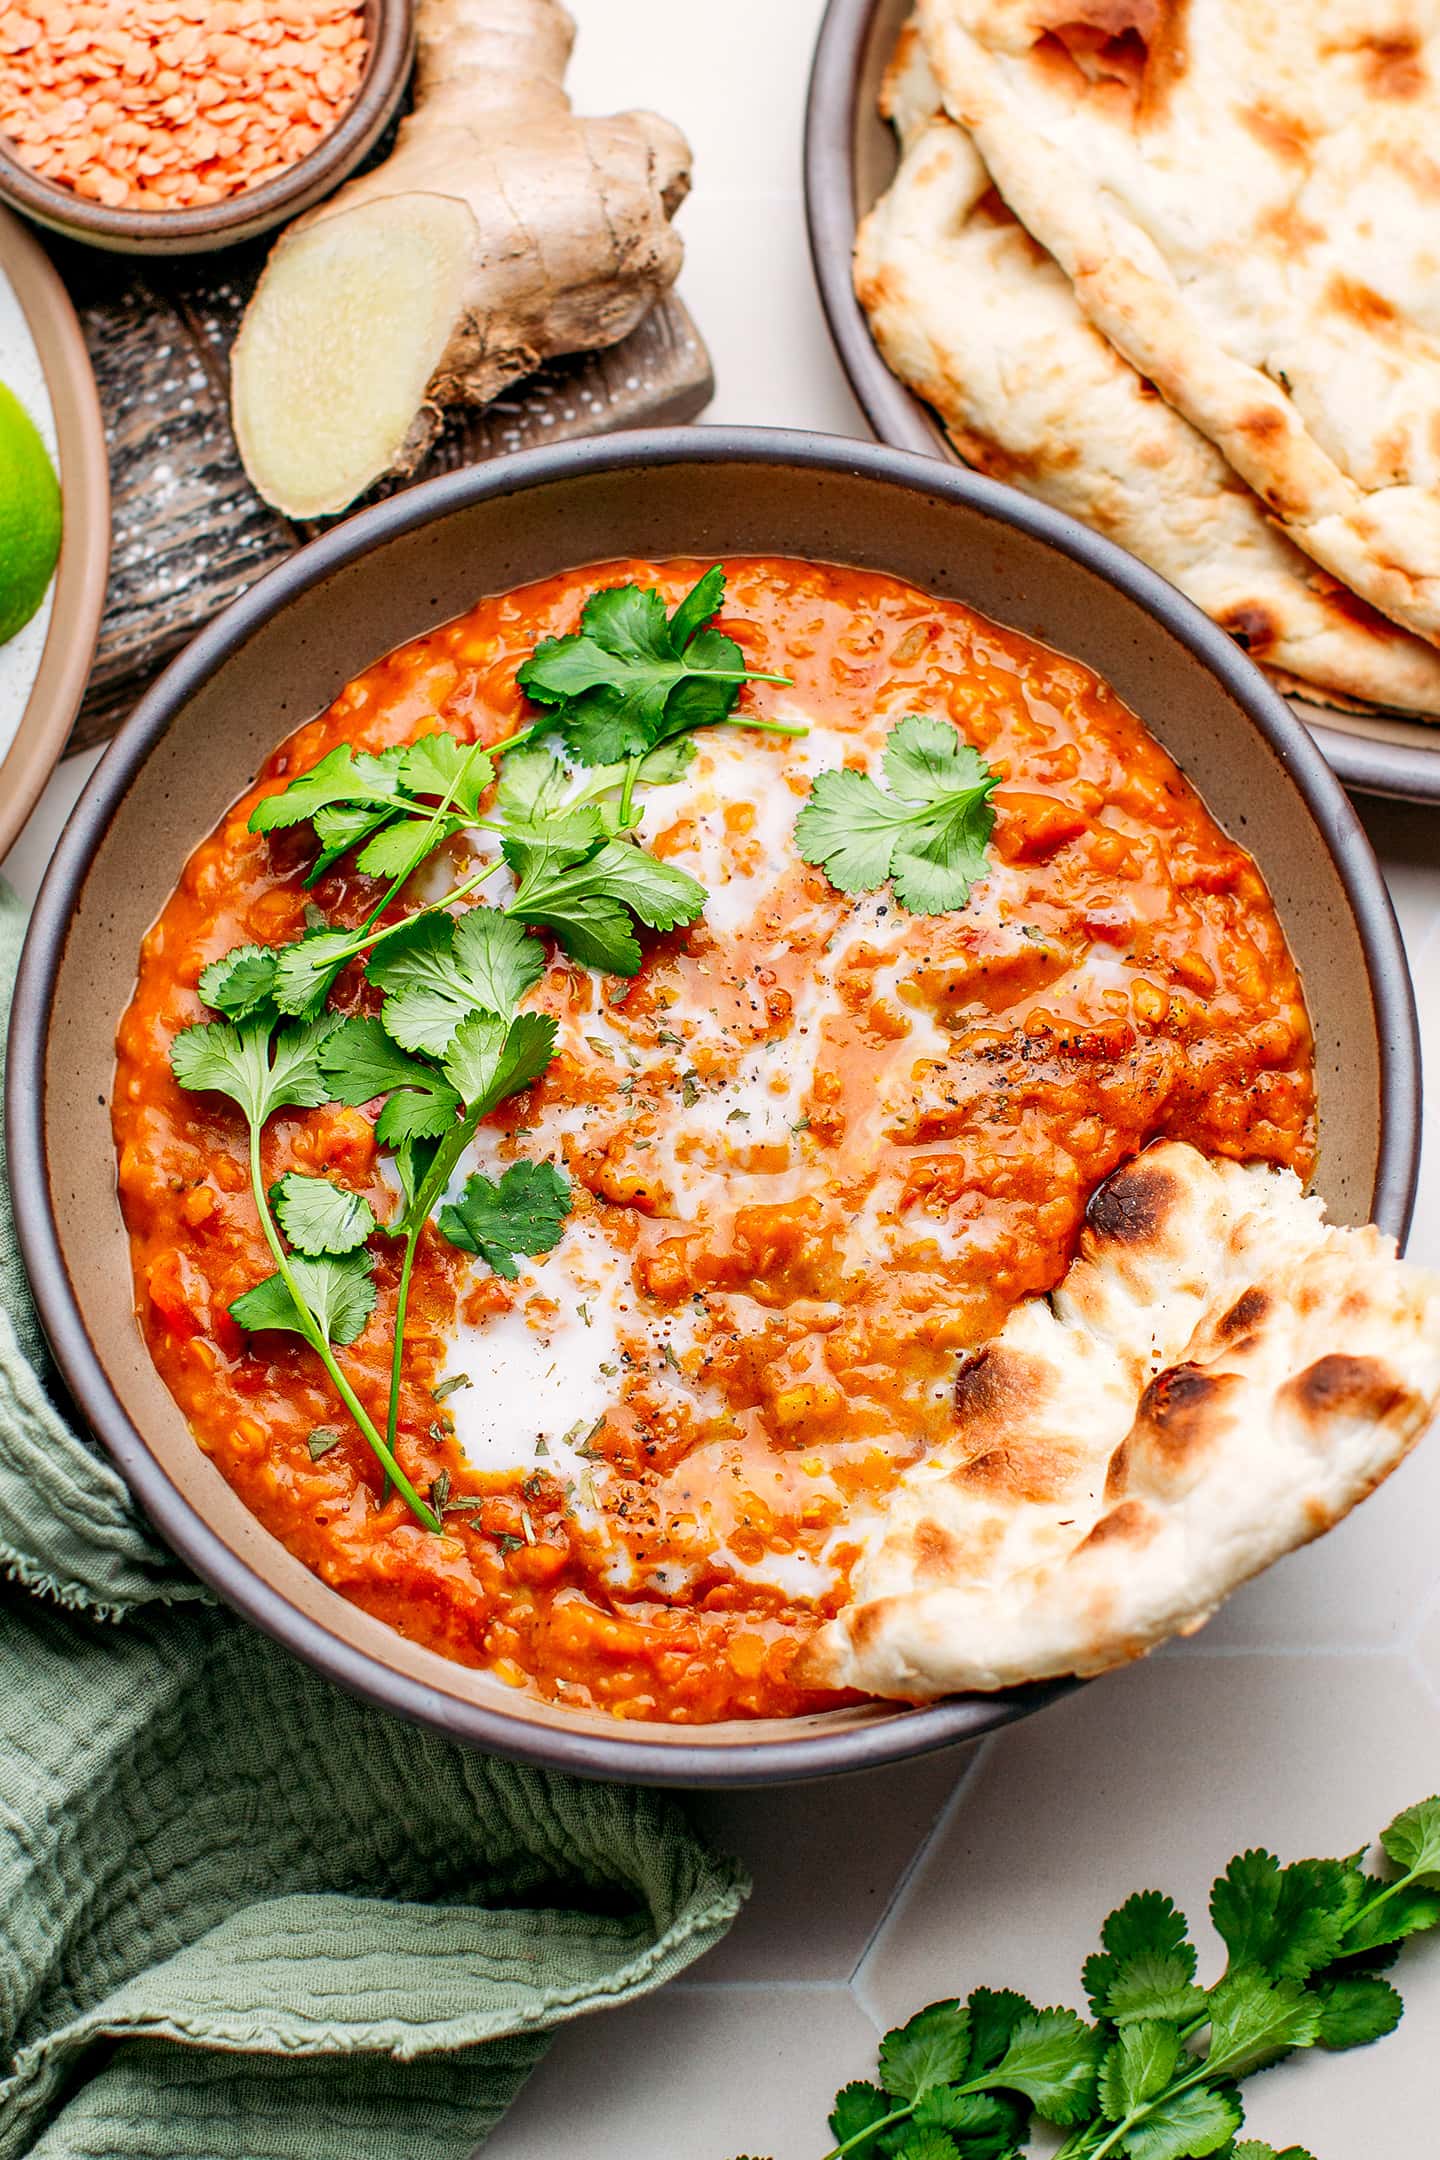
column 243, row 1917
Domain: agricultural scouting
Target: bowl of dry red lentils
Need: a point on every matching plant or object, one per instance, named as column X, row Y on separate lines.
column 173, row 126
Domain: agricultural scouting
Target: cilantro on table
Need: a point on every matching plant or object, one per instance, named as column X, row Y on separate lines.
column 1156, row 2075
column 927, row 834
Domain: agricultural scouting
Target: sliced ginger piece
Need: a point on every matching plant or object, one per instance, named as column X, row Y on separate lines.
column 501, row 231
column 330, row 375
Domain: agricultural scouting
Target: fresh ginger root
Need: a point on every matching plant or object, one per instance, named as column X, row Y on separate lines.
column 501, row 231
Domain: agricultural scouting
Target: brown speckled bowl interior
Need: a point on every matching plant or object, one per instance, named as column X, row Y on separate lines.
column 283, row 651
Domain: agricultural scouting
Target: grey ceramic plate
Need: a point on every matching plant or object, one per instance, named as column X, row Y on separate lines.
column 849, row 162
column 281, row 654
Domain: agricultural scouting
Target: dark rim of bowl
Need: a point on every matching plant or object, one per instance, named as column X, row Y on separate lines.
column 386, row 66
column 864, row 1746
column 1409, row 772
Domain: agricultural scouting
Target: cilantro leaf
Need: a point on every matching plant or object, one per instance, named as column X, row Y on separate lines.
column 1187, row 2126
column 592, row 928
column 343, row 776
column 1254, row 2019
column 240, row 982
column 588, row 903
column 377, row 803
column 856, row 2107
column 1356, row 2009
column 440, row 765
column 1411, row 1910
column 700, row 606
column 848, row 828
column 1412, row 1841
column 1257, row 2149
column 987, row 2120
column 1139, row 2065
column 524, row 1213
column 342, row 826
column 994, row 2014
column 932, row 2049
column 1289, row 1920
column 659, row 893
column 360, row 1061
column 1149, row 1921
column 439, row 969
column 1052, row 2057
column 491, row 1059
column 924, row 2144
column 413, row 1159
column 630, row 676
column 928, row 835
column 533, row 786
column 400, row 847
column 666, row 763
column 319, row 1217
column 305, row 970
column 241, row 1062
column 340, row 1294
column 1152, row 1985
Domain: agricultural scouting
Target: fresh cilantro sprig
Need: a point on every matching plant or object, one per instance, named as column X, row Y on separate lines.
column 383, row 804
column 927, row 835
column 449, row 1047
column 1156, row 2076
column 633, row 676
column 325, row 1291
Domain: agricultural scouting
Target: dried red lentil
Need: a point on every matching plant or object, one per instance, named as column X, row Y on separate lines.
column 171, row 104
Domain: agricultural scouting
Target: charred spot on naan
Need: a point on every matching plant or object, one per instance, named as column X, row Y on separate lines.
column 1133, row 1205
column 1131, row 1523
column 1341, row 1386
column 942, row 1557
column 1176, row 1428
column 996, row 1387
column 1245, row 1315
column 1019, row 1473
column 1251, row 624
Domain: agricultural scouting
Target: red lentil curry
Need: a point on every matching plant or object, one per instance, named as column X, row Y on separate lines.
column 818, row 1145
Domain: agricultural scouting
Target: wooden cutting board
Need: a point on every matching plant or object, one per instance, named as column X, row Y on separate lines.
column 189, row 531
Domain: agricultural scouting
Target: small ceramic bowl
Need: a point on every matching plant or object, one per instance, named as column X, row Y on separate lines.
column 391, row 29
column 284, row 651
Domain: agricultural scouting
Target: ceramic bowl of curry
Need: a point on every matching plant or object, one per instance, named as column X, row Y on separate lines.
column 1143, row 758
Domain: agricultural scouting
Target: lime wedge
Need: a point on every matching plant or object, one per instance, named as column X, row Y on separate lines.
column 29, row 516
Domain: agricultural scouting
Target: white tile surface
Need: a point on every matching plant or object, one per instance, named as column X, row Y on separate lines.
column 1301, row 1719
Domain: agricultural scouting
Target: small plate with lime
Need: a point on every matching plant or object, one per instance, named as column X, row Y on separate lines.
column 54, row 521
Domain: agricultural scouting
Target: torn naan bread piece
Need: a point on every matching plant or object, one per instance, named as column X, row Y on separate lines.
column 1244, row 195
column 1220, row 1377
column 977, row 319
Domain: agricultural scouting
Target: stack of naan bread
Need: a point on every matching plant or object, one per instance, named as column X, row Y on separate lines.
column 1174, row 266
